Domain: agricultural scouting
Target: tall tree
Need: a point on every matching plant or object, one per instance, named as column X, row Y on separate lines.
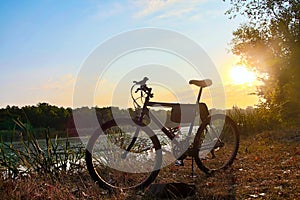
column 269, row 42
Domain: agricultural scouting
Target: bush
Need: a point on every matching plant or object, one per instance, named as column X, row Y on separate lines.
column 254, row 120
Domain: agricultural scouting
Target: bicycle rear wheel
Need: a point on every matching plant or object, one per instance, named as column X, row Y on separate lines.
column 111, row 168
column 217, row 143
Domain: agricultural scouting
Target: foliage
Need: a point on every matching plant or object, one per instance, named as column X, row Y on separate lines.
column 41, row 116
column 253, row 120
column 269, row 43
column 47, row 157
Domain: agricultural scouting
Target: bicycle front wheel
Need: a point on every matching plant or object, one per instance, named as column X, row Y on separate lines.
column 217, row 143
column 112, row 167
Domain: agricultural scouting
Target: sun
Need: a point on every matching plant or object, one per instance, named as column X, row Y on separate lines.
column 241, row 75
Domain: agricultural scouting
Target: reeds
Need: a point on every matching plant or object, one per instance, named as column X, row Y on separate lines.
column 45, row 157
column 254, row 120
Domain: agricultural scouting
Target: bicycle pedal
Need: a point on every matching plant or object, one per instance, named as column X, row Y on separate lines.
column 179, row 163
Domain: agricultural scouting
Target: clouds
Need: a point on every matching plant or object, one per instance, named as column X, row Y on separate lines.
column 56, row 90
column 63, row 83
column 148, row 7
column 173, row 9
column 27, row 87
column 157, row 9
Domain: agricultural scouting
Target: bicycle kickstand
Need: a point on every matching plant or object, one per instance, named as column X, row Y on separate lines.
column 124, row 155
column 192, row 167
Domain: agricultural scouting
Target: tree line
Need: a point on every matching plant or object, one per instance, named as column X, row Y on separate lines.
column 268, row 42
column 42, row 115
column 44, row 118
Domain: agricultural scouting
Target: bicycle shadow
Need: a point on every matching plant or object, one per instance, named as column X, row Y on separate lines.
column 171, row 190
column 220, row 185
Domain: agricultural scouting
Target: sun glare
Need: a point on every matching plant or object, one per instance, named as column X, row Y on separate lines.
column 241, row 75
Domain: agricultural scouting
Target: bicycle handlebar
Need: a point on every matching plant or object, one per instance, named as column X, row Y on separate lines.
column 143, row 88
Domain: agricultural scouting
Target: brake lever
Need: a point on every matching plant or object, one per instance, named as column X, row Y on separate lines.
column 137, row 90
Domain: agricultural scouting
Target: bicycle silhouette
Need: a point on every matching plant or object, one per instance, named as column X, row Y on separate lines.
column 126, row 153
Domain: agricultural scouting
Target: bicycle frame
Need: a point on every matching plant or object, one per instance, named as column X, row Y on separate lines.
column 163, row 128
column 170, row 135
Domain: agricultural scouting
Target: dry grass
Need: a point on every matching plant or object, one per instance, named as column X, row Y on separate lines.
column 267, row 167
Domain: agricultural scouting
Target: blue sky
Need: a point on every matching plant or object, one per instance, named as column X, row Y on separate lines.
column 44, row 43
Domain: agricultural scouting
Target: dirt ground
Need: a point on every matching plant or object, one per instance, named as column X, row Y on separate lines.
column 267, row 167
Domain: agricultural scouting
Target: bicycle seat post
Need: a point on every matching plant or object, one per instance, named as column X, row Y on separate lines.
column 199, row 95
column 202, row 84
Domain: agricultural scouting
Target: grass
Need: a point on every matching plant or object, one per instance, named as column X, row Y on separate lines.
column 47, row 157
column 267, row 167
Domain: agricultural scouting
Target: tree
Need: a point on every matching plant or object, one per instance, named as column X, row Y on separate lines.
column 269, row 43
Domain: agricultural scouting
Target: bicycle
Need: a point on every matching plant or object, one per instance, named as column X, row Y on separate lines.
column 125, row 153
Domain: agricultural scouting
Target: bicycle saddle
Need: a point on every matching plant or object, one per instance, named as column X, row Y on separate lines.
column 201, row 83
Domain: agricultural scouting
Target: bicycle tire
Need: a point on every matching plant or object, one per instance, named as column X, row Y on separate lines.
column 99, row 158
column 216, row 143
